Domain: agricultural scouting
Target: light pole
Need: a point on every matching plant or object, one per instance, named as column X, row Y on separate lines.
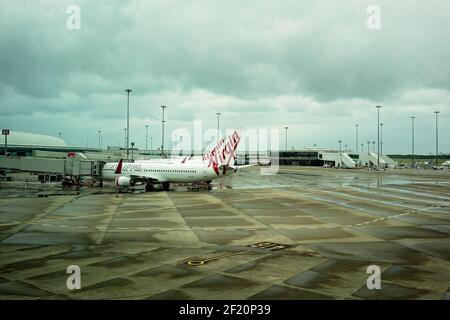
column 378, row 139
column 128, row 91
column 132, row 149
column 286, row 128
column 340, row 153
column 59, row 135
column 412, row 142
column 99, row 133
column 125, row 137
column 381, row 143
column 181, row 142
column 146, row 137
column 437, row 137
column 162, row 122
column 218, row 125
column 357, row 125
column 6, row 132
column 368, row 147
column 373, row 146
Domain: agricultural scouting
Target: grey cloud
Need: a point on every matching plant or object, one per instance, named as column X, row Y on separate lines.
column 262, row 64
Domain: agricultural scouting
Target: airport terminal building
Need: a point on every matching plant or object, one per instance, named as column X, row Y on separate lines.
column 321, row 158
column 24, row 144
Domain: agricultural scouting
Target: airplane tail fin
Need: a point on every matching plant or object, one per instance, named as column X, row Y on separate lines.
column 224, row 153
column 119, row 167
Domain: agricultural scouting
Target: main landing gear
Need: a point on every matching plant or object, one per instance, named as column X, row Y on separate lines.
column 149, row 187
column 165, row 186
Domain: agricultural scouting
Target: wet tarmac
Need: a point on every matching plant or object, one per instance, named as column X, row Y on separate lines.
column 305, row 233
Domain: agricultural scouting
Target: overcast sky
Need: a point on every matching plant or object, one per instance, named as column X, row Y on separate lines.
column 314, row 66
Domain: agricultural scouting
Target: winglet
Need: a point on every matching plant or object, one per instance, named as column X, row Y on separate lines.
column 119, row 167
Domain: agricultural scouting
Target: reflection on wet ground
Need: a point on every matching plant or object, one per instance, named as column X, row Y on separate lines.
column 336, row 223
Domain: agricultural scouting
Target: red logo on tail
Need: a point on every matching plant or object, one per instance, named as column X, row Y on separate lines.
column 119, row 167
column 223, row 152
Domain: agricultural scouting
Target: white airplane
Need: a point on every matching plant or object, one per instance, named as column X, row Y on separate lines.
column 446, row 164
column 215, row 165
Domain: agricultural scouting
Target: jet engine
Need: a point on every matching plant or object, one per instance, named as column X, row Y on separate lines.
column 125, row 182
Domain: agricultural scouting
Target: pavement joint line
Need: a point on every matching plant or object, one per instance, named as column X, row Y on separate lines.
column 139, row 210
column 365, row 191
column 334, row 193
column 184, row 229
column 393, row 216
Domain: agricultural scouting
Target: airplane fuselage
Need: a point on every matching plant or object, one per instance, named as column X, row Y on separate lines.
column 162, row 172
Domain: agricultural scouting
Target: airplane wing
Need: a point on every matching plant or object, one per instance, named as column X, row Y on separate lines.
column 146, row 178
column 244, row 166
column 225, row 168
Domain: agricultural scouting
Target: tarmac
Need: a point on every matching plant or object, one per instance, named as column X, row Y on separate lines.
column 304, row 233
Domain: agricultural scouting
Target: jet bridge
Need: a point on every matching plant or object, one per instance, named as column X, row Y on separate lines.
column 65, row 167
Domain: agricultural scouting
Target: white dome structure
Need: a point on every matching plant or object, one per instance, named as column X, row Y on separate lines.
column 17, row 138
